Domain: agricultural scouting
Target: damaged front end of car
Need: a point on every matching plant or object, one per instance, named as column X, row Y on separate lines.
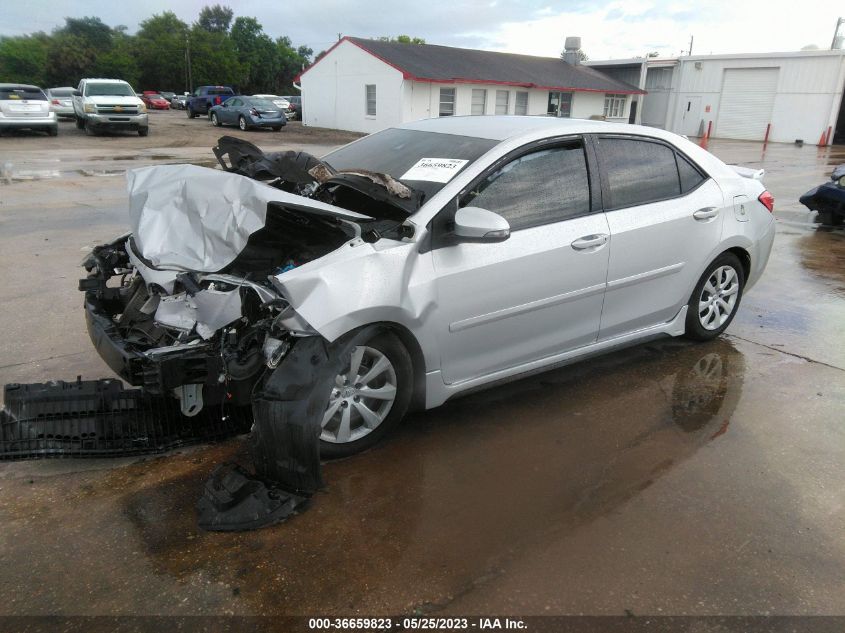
column 191, row 307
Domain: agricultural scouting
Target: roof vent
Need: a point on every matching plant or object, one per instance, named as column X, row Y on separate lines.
column 571, row 47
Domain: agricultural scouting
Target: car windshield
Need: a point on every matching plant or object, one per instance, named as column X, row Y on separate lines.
column 61, row 92
column 262, row 103
column 395, row 151
column 155, row 97
column 109, row 90
column 16, row 93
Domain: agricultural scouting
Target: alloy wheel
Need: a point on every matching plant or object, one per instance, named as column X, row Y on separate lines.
column 718, row 298
column 361, row 397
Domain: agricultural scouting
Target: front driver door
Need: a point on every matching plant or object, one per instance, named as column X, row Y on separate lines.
column 537, row 293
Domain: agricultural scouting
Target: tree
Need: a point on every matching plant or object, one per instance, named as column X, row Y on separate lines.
column 214, row 59
column 291, row 63
column 160, row 51
column 24, row 59
column 402, row 39
column 216, row 19
column 120, row 62
column 257, row 52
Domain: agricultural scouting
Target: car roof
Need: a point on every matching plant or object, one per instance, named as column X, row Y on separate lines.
column 108, row 81
column 518, row 129
column 21, row 86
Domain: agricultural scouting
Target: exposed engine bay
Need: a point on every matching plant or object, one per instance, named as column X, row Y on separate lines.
column 191, row 302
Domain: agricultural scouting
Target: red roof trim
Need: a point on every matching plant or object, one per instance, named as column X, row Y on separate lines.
column 460, row 80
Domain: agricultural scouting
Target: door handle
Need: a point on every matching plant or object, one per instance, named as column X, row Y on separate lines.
column 706, row 213
column 589, row 241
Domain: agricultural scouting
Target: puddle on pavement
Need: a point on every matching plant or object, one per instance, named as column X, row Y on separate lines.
column 501, row 468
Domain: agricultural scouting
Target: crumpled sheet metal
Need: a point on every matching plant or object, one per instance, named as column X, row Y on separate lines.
column 209, row 310
column 186, row 217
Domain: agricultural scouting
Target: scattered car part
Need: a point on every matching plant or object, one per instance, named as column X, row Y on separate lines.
column 828, row 199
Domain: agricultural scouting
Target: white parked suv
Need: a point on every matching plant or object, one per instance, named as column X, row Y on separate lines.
column 109, row 104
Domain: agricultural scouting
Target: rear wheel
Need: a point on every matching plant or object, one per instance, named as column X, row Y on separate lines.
column 369, row 398
column 829, row 217
column 214, row 120
column 191, row 113
column 242, row 123
column 716, row 298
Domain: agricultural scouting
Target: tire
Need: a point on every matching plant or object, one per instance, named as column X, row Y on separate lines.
column 214, row 120
column 143, row 131
column 829, row 218
column 53, row 131
column 191, row 113
column 391, row 348
column 242, row 124
column 277, row 128
column 709, row 314
column 80, row 123
column 89, row 129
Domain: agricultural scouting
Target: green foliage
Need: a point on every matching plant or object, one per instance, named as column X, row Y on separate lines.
column 222, row 51
column 215, row 19
column 24, row 59
column 402, row 39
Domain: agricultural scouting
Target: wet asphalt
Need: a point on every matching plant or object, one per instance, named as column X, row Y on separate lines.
column 668, row 478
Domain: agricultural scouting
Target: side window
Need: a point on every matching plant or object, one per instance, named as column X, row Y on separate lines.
column 370, row 99
column 543, row 186
column 234, row 103
column 690, row 176
column 638, row 172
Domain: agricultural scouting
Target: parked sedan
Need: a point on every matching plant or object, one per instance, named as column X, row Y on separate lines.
column 295, row 109
column 154, row 101
column 179, row 102
column 280, row 102
column 26, row 107
column 419, row 263
column 248, row 112
column 61, row 102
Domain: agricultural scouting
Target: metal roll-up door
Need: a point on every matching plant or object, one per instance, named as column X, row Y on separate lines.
column 748, row 96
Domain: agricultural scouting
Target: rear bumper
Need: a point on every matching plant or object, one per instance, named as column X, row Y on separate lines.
column 29, row 122
column 262, row 122
column 760, row 256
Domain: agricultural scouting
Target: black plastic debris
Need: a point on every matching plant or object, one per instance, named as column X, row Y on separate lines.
column 233, row 500
column 99, row 418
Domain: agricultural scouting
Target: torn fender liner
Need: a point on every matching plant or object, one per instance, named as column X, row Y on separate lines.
column 98, row 418
column 288, row 409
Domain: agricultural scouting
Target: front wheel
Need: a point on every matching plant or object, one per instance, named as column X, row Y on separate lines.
column 80, row 123
column 716, row 298
column 143, row 131
column 191, row 114
column 242, row 123
column 53, row 131
column 369, row 398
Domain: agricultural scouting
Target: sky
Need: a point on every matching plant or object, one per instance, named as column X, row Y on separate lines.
column 608, row 29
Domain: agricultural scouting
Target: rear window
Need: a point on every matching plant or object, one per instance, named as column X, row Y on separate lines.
column 263, row 103
column 109, row 90
column 61, row 92
column 20, row 93
column 638, row 171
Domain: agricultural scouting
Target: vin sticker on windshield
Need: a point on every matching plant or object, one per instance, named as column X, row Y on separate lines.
column 434, row 169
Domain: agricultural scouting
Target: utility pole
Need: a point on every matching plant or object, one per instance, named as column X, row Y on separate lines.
column 691, row 37
column 189, row 87
column 836, row 32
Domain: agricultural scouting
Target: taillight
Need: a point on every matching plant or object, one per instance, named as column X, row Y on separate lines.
column 768, row 200
column 254, row 112
column 55, row 102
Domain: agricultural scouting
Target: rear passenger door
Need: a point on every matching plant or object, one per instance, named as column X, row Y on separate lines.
column 665, row 218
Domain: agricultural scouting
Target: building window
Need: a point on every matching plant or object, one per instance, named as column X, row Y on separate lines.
column 370, row 95
column 614, row 106
column 502, row 97
column 447, row 101
column 520, row 104
column 479, row 101
column 560, row 104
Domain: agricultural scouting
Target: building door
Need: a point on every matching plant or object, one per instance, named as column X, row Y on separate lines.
column 691, row 116
column 748, row 96
column 560, row 104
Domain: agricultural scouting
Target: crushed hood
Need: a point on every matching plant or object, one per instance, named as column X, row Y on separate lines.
column 186, row 217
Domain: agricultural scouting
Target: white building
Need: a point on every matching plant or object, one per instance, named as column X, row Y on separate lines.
column 789, row 95
column 368, row 85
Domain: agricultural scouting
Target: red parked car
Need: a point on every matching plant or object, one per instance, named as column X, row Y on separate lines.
column 154, row 101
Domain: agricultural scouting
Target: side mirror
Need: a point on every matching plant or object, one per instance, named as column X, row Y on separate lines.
column 473, row 223
column 76, row 93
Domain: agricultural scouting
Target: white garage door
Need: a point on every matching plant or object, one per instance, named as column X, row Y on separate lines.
column 748, row 95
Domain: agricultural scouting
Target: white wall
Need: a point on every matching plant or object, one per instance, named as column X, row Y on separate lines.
column 333, row 93
column 806, row 101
